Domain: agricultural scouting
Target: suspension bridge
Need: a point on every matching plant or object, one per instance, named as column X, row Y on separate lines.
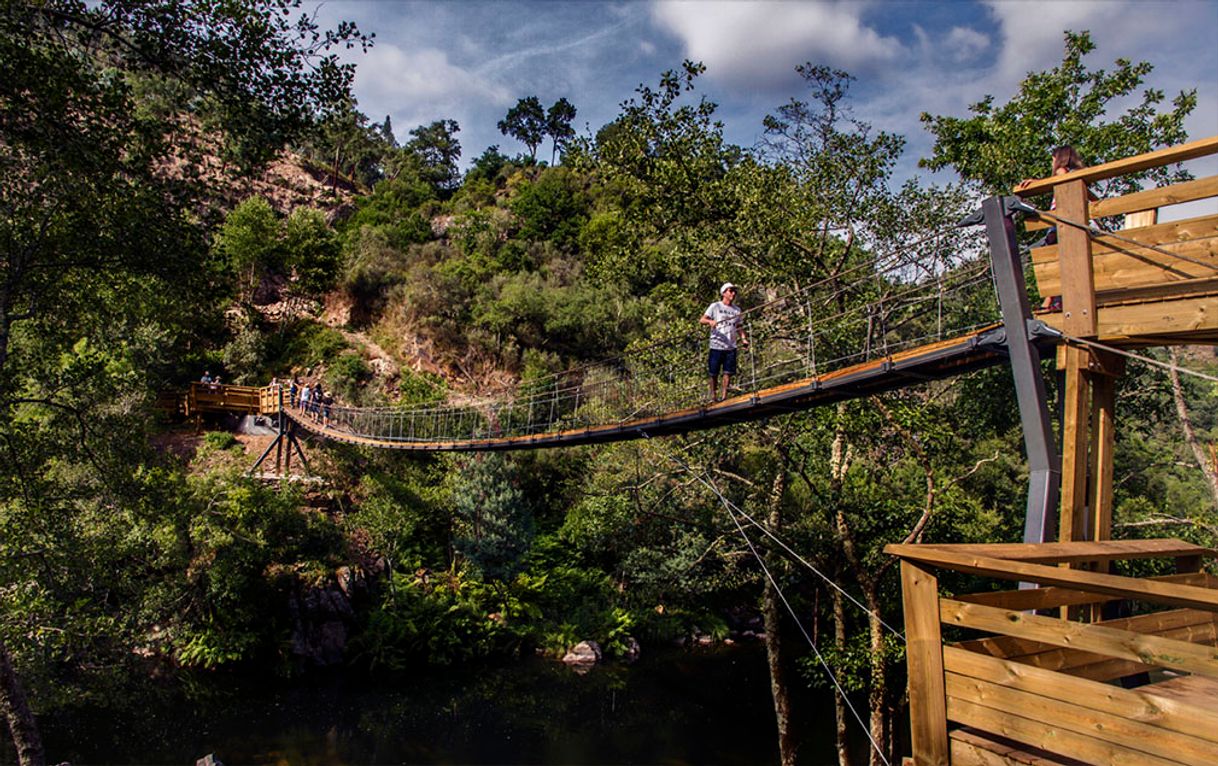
column 1033, row 688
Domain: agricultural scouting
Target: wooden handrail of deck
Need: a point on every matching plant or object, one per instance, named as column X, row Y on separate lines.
column 1094, row 582
column 1181, row 153
column 1060, row 553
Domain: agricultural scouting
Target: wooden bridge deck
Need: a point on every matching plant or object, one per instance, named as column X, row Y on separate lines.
column 934, row 361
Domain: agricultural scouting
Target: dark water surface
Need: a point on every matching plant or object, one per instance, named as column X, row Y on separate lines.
column 672, row 707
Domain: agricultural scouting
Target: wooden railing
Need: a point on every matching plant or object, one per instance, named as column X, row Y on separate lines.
column 1113, row 286
column 1040, row 689
column 216, row 397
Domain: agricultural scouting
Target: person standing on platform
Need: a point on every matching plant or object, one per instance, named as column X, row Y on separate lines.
column 723, row 317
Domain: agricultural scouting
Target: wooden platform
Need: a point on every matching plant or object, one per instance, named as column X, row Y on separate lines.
column 1034, row 688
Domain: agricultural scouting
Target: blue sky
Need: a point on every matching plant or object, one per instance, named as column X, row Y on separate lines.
column 470, row 61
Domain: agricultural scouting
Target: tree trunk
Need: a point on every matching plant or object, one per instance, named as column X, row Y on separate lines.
column 778, row 681
column 877, row 698
column 771, row 613
column 839, row 703
column 1190, row 436
column 21, row 723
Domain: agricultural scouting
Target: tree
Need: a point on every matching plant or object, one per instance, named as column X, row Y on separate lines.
column 526, row 122
column 352, row 148
column 387, row 133
column 250, row 243
column 104, row 268
column 437, row 151
column 558, row 125
column 1068, row 104
column 496, row 516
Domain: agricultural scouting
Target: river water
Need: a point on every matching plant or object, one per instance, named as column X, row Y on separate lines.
column 672, row 707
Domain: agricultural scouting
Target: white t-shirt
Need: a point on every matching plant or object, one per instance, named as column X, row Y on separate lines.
column 727, row 321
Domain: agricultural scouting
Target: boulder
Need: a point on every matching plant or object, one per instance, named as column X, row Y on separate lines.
column 633, row 650
column 320, row 616
column 584, row 653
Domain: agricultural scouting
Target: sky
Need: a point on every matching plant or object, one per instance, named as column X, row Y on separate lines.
column 471, row 61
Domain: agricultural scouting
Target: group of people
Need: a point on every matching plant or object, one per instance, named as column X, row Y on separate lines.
column 212, row 383
column 312, row 400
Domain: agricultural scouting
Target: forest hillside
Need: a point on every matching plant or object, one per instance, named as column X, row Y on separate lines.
column 181, row 198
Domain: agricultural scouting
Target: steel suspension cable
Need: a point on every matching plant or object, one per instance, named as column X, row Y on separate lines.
column 728, row 505
column 1097, row 232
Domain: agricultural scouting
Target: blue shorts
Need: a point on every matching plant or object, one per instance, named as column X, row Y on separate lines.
column 724, row 359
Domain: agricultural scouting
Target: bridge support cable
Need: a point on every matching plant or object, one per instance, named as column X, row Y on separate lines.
column 1070, row 339
column 701, row 479
column 820, row 658
column 1044, row 463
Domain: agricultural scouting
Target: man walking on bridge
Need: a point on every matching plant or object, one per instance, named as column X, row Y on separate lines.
column 723, row 317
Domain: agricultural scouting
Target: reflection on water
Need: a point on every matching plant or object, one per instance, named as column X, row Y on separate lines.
column 672, row 707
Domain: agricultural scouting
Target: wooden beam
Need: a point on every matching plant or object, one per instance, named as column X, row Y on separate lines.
column 924, row 659
column 1056, row 553
column 1074, row 255
column 1053, row 712
column 1025, row 599
column 1139, row 322
column 1110, row 642
column 1153, row 199
column 1114, row 585
column 1144, row 201
column 1194, row 626
column 1168, row 156
column 1103, row 422
column 1164, row 253
column 1085, row 748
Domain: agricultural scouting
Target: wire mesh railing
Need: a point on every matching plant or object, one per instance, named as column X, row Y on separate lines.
column 829, row 326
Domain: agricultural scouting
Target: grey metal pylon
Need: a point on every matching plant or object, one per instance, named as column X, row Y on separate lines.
column 1044, row 462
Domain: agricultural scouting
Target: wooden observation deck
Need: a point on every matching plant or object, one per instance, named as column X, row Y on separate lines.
column 1079, row 665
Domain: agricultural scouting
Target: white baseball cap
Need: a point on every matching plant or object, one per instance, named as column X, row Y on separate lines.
column 726, row 286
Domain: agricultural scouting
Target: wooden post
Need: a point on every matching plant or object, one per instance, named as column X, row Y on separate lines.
column 1074, row 255
column 1078, row 319
column 924, row 659
column 1076, row 412
column 1103, row 421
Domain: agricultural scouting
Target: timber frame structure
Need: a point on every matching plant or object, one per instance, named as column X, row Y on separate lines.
column 1077, row 664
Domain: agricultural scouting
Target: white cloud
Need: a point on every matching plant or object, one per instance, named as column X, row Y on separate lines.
column 758, row 44
column 419, row 86
column 965, row 44
column 1032, row 32
column 424, row 75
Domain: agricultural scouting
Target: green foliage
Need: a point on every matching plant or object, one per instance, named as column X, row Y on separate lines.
column 220, row 440
column 437, row 151
column 249, row 244
column 551, row 208
column 312, row 251
column 1095, row 111
column 347, row 375
column 301, row 346
column 526, row 122
column 558, row 125
column 438, row 625
column 421, row 387
column 392, row 210
column 496, row 518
